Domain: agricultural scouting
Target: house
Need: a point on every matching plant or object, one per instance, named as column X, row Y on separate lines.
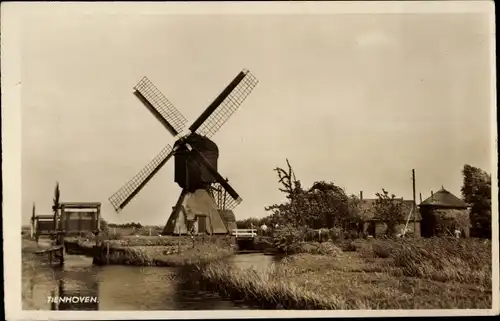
column 376, row 227
column 444, row 206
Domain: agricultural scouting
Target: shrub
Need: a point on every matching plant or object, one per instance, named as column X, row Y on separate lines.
column 335, row 234
column 326, row 248
column 348, row 246
column 288, row 238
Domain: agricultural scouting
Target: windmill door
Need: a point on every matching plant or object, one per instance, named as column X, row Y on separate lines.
column 202, row 224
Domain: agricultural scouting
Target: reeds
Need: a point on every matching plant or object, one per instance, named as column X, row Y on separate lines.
column 440, row 259
column 266, row 290
column 380, row 274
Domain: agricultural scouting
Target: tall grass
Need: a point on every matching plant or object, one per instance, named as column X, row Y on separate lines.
column 380, row 274
column 440, row 259
column 272, row 290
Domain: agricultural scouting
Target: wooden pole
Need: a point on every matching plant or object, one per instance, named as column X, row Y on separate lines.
column 414, row 204
column 61, row 257
column 107, row 253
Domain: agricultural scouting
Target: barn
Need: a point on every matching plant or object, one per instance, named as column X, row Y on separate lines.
column 443, row 212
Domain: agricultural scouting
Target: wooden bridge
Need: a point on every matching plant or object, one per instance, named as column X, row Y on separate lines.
column 245, row 238
column 244, row 234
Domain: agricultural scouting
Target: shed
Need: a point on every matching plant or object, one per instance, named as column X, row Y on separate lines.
column 442, row 206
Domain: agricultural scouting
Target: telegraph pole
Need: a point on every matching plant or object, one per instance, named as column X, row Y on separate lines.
column 414, row 204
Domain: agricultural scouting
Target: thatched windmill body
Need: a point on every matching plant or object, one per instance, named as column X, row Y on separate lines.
column 205, row 193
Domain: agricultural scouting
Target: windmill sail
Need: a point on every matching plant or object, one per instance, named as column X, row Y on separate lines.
column 221, row 197
column 219, row 111
column 125, row 194
column 160, row 106
column 229, row 202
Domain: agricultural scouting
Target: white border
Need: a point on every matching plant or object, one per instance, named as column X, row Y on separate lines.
column 11, row 15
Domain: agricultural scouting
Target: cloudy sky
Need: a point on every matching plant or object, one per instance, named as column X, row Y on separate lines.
column 357, row 99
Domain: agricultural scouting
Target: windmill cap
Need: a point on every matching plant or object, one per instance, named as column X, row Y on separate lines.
column 200, row 142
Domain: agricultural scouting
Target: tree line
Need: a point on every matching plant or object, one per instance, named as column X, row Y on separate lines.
column 126, row 225
column 325, row 205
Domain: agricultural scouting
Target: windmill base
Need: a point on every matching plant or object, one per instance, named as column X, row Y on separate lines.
column 195, row 213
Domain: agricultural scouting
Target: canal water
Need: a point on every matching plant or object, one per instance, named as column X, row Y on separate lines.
column 117, row 287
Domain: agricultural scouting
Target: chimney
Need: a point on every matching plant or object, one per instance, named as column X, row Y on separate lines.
column 420, row 197
column 361, row 195
column 432, row 193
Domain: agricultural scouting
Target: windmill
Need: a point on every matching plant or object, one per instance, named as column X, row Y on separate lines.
column 204, row 191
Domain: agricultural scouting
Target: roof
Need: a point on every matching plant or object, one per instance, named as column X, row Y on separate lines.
column 444, row 199
column 367, row 209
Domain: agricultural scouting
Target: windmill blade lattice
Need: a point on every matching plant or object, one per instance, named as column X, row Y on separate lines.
column 221, row 197
column 130, row 189
column 165, row 110
column 228, row 106
column 230, row 198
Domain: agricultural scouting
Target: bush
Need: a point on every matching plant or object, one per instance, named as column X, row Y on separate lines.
column 326, row 248
column 335, row 234
column 348, row 246
column 288, row 238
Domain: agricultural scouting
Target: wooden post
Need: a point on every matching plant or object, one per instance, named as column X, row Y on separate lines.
column 98, row 218
column 61, row 258
column 107, row 253
column 36, row 230
column 53, row 306
column 414, row 204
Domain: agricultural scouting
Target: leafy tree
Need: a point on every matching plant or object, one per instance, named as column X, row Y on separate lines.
column 322, row 205
column 389, row 209
column 329, row 204
column 476, row 191
column 292, row 211
column 355, row 216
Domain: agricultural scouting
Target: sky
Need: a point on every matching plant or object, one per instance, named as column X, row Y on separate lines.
column 356, row 99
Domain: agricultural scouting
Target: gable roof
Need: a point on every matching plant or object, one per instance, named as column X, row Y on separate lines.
column 445, row 199
column 367, row 209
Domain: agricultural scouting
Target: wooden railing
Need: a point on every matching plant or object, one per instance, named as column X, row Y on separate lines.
column 245, row 233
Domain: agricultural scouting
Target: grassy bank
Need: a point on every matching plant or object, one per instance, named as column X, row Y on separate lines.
column 153, row 251
column 161, row 255
column 378, row 274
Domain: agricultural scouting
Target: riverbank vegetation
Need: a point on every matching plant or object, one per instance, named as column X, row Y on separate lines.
column 388, row 274
column 157, row 251
column 329, row 263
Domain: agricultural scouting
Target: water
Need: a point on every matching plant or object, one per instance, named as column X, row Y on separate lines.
column 123, row 287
